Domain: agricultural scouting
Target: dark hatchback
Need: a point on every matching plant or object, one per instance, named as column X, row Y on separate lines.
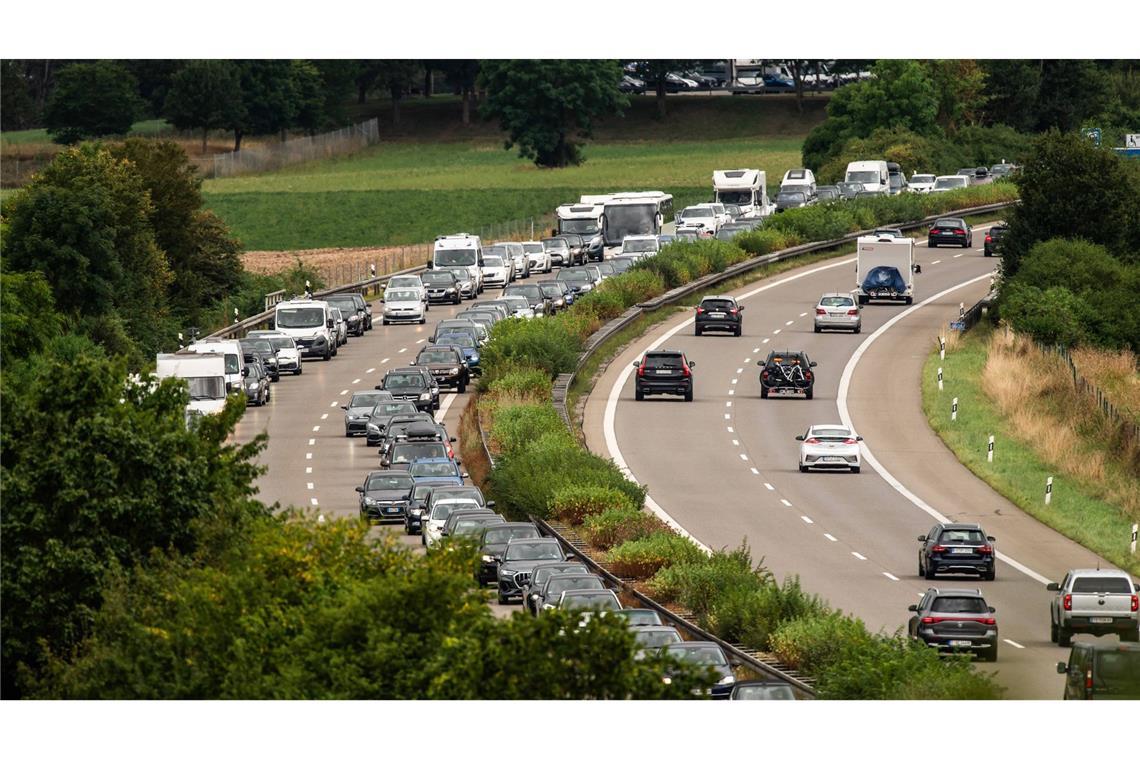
column 1102, row 670
column 718, row 313
column 956, row 548
column 447, row 366
column 385, row 495
column 950, row 231
column 663, row 372
column 709, row 655
column 409, row 386
column 994, row 238
column 955, row 620
column 442, row 286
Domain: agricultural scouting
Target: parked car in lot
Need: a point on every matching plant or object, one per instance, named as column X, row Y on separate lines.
column 663, row 372
column 256, row 382
column 707, row 654
column 442, row 286
column 951, row 230
column 787, row 372
column 631, row 85
column 718, row 313
column 830, row 447
column 384, row 495
column 1102, row 670
column 957, row 548
column 994, row 237
column 838, row 311
column 955, row 620
column 359, row 409
column 1097, row 602
column 520, row 559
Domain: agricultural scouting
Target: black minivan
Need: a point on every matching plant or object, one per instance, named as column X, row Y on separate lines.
column 1102, row 670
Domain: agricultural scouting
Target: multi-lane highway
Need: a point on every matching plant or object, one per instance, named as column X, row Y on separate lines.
column 724, row 467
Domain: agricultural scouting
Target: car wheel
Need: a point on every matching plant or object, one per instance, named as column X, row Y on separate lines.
column 858, row 329
column 908, row 300
column 763, row 392
column 817, row 329
column 423, row 320
column 921, row 571
column 990, row 656
column 638, row 395
column 991, row 575
column 462, row 387
column 987, row 254
column 1131, row 636
column 930, row 572
column 298, row 370
column 931, row 244
column 502, row 599
column 855, row 470
column 328, row 355
column 697, row 331
column 803, row 468
column 737, row 333
column 809, row 394
column 456, row 300
column 689, row 395
column 1052, row 631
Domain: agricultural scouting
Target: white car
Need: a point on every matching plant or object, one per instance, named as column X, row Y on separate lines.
column 517, row 305
column 640, row 245
column 408, row 282
column 702, row 219
column 497, row 272
column 921, row 183
column 341, row 326
column 519, row 259
column 403, row 305
column 947, row 182
column 538, row 256
column 288, row 355
column 433, row 523
column 834, row 447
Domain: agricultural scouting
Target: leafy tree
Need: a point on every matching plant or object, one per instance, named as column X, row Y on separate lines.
column 1011, row 92
column 84, row 221
column 1070, row 91
column 799, row 69
column 365, row 78
column 960, row 84
column 309, row 87
column 17, row 109
column 548, row 107
column 1070, row 188
column 92, row 100
column 127, row 479
column 462, row 75
column 398, row 77
column 337, row 84
column 205, row 95
column 654, row 73
column 269, row 97
column 28, row 319
column 154, row 76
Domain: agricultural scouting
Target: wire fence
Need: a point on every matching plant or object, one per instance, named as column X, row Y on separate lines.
column 297, row 150
column 1127, row 426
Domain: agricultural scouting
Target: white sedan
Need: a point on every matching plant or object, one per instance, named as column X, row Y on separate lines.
column 830, row 447
column 540, row 260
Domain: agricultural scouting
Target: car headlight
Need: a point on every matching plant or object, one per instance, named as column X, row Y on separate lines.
column 727, row 680
column 371, row 428
column 489, row 558
column 474, row 358
column 450, row 290
column 425, row 396
column 453, row 371
column 369, row 501
column 506, row 573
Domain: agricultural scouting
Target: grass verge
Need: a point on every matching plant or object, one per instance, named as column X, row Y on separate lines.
column 1040, row 431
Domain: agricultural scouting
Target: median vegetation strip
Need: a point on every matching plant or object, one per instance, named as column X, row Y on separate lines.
column 1042, row 429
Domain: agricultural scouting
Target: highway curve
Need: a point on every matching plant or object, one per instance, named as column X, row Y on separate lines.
column 724, row 466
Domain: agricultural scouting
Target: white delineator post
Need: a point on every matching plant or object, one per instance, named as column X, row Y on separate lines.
column 954, row 409
column 990, row 450
column 941, row 348
column 939, row 378
column 1048, row 489
column 1132, row 546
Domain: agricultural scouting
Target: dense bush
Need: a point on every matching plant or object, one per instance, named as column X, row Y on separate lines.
column 614, row 526
column 575, row 503
column 685, row 260
column 761, row 613
column 542, row 343
column 603, row 302
column 518, row 424
column 521, row 381
column 696, row 585
column 643, row 557
column 814, row 643
column 636, row 286
column 764, row 241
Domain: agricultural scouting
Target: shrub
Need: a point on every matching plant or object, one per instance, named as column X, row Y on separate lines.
column 764, row 241
column 735, row 614
column 696, row 585
column 604, row 302
column 615, row 526
column 643, row 557
column 684, row 261
column 774, row 606
column 635, row 286
column 515, row 426
column 574, row 503
column 824, row 222
column 812, row 644
column 541, row 343
column 520, row 381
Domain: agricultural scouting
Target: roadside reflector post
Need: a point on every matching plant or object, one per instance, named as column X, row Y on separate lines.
column 1048, row 489
column 940, row 378
column 941, row 348
column 235, row 315
column 954, row 409
column 961, row 310
column 990, row 450
column 180, row 341
column 1132, row 548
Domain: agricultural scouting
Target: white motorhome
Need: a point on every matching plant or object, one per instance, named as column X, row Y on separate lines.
column 874, row 176
column 746, row 188
column 234, row 357
column 884, row 269
column 800, row 181
column 204, row 373
column 595, row 200
column 311, row 324
column 641, row 213
column 460, row 250
column 584, row 219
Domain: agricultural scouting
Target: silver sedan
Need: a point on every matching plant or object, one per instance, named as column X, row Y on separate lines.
column 830, row 447
column 838, row 311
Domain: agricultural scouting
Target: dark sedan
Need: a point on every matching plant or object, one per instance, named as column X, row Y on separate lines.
column 261, row 351
column 385, row 495
column 442, row 286
column 539, row 576
column 950, row 231
column 382, row 415
column 359, row 408
column 447, row 366
column 534, row 296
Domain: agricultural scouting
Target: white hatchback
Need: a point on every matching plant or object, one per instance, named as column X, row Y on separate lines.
column 408, row 282
column 921, row 183
column 834, row 447
column 539, row 257
column 433, row 525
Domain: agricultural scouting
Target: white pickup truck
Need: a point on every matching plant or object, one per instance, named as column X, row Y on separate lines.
column 1096, row 602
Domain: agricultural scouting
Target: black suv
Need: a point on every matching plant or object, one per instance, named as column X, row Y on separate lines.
column 955, row 620
column 261, row 351
column 494, row 542
column 718, row 313
column 787, row 372
column 951, row 230
column 956, row 548
column 993, row 238
column 385, row 495
column 414, row 384
column 664, row 372
column 446, row 365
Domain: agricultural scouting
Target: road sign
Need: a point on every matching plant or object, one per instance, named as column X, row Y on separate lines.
column 958, row 325
column 1132, row 141
column 1093, row 133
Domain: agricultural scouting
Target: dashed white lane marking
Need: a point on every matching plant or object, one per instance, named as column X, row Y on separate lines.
column 959, row 255
column 370, row 370
column 770, row 487
column 893, row 578
column 309, row 486
column 316, row 428
column 765, row 340
column 785, row 502
column 789, row 322
column 744, row 457
column 806, row 519
column 728, row 416
column 309, row 455
column 325, row 416
column 857, row 555
column 756, row 350
column 357, row 380
column 312, row 441
column 402, row 350
column 1013, row 643
column 936, row 261
column 735, row 442
column 739, row 370
column 333, row 405
column 421, row 340
column 830, row 537
column 732, row 392
column 385, row 361
column 728, row 403
column 735, row 381
column 755, row 471
column 344, row 392
column 804, row 314
column 775, row 332
column 313, row 502
column 308, row 470
column 731, row 430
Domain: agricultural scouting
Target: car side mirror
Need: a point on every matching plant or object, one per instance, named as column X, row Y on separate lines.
column 463, row 475
column 272, row 324
column 457, row 462
column 922, row 539
column 1062, row 668
column 330, row 323
column 739, row 308
column 990, row 538
column 345, row 408
column 858, row 438
column 453, row 439
column 992, row 609
column 637, row 363
column 378, row 387
column 811, row 364
column 429, row 265
column 692, row 364
column 245, row 371
column 431, row 339
column 1053, row 587
column 913, row 608
column 799, row 437
column 360, row 489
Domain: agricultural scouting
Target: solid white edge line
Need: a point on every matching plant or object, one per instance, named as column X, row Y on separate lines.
column 445, row 405
column 845, row 418
column 610, row 414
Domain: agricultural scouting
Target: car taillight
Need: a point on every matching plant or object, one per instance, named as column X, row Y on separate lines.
column 987, row 621
column 819, row 310
column 959, row 232
column 1068, row 601
column 989, row 239
column 700, row 310
column 812, row 440
column 850, row 441
column 807, row 376
column 985, row 550
column 1088, row 682
column 928, row 621
column 685, row 368
column 764, row 375
column 1135, row 603
column 733, row 311
column 938, row 548
column 852, row 312
column 641, row 370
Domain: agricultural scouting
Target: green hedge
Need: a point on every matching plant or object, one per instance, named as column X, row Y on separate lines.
column 517, row 425
column 614, row 526
column 642, row 557
column 521, row 381
column 574, row 503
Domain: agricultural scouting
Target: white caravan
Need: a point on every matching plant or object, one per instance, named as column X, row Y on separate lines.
column 874, row 176
column 643, row 213
column 884, row 269
column 460, row 250
column 311, row 324
column 585, row 219
column 745, row 188
column 204, row 373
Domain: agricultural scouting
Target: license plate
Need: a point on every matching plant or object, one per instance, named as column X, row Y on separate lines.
column 664, row 372
column 961, row 551
column 716, row 315
column 1100, row 620
column 947, row 232
column 833, row 459
column 390, row 510
column 960, row 643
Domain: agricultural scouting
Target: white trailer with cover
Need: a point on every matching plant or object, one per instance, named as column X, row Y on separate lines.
column 884, row 269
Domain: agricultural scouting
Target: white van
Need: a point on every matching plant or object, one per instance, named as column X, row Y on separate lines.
column 461, row 250
column 204, row 373
column 234, row 359
column 800, row 181
column 874, row 176
column 311, row 324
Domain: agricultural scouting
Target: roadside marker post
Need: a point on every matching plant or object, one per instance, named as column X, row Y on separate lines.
column 940, row 378
column 990, row 450
column 1133, row 545
column 941, row 348
column 236, row 320
column 961, row 310
column 954, row 409
column 1048, row 490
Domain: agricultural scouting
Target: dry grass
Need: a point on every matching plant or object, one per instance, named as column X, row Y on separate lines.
column 474, row 458
column 1115, row 372
column 1035, row 394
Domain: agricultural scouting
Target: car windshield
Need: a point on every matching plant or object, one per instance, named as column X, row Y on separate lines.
column 827, row 192
column 532, row 247
column 951, row 223
column 436, row 356
column 663, row 361
column 529, row 292
column 347, row 306
column 923, row 178
column 639, row 246
column 394, row 408
column 551, row 291
column 830, row 434
column 962, row 536
column 864, row 177
column 300, row 316
column 461, row 275
column 202, row 388
column 579, row 226
column 699, row 655
column 542, row 573
column 950, row 182
column 636, row 616
column 409, row 452
column 281, row 343
column 836, row 301
column 438, row 278
column 383, row 481
column 456, row 339
column 965, row 604
column 551, row 243
column 735, row 197
column 502, row 535
column 1118, row 669
column 764, row 691
column 260, row 346
column 557, row 585
column 470, row 525
column 455, row 257
column 654, row 639
column 433, row 469
column 572, row 275
column 533, row 551
column 493, row 261
column 408, row 281
column 367, row 399
column 591, row 602
column 791, row 198
column 401, row 295
column 717, row 303
column 1101, row 585
column 441, row 510
column 403, row 381
column 697, row 213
